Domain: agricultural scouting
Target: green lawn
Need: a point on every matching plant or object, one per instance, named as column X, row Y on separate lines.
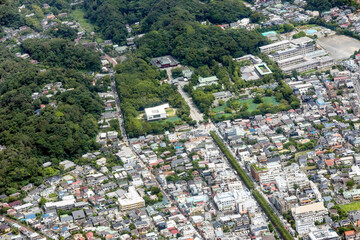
column 78, row 14
column 220, row 108
column 252, row 106
column 226, row 115
column 170, row 112
column 351, row 206
column 172, row 119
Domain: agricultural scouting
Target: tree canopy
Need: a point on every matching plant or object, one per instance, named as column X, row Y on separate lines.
column 139, row 87
column 63, row 128
column 61, row 52
column 325, row 5
column 197, row 45
column 111, row 16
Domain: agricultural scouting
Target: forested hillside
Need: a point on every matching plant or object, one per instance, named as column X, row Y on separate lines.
column 9, row 14
column 325, row 5
column 64, row 128
column 197, row 45
column 111, row 16
column 62, row 53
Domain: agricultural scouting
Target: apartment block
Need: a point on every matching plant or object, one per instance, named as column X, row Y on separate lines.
column 131, row 200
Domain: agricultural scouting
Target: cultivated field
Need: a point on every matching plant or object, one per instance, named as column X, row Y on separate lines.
column 339, row 46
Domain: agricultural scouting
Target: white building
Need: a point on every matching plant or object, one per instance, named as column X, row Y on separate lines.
column 237, row 185
column 281, row 183
column 131, row 200
column 274, row 170
column 156, row 113
column 275, row 46
column 305, row 216
column 67, row 203
column 323, row 234
column 225, row 201
column 245, row 202
column 303, row 225
column 295, row 177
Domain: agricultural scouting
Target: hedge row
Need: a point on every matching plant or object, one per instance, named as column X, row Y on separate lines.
column 259, row 198
column 233, row 161
column 272, row 216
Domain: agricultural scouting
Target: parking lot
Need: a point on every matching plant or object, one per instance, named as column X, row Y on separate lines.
column 339, row 46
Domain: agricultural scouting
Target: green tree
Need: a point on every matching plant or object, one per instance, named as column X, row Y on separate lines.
column 132, row 226
column 257, row 99
column 42, row 201
column 350, row 183
column 15, row 231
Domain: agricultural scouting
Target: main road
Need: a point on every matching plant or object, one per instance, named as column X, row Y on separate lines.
column 194, row 111
column 257, row 186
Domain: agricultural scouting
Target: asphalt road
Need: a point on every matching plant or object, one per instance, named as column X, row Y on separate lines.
column 9, row 220
column 118, row 110
column 194, row 111
column 357, row 87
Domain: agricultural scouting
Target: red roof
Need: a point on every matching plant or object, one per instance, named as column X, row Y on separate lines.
column 329, row 162
column 15, row 203
column 174, row 231
column 349, row 233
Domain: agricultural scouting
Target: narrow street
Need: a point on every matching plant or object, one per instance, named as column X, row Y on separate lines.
column 118, row 110
column 112, row 60
column 356, row 86
column 9, row 220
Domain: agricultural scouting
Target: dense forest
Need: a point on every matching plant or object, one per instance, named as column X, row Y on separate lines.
column 50, row 128
column 325, row 5
column 139, row 87
column 60, row 52
column 197, row 45
column 111, row 16
column 9, row 15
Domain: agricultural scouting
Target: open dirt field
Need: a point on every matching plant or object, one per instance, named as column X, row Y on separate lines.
column 339, row 46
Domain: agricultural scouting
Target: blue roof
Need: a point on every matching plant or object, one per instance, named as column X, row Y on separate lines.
column 30, row 216
column 320, row 101
column 329, row 125
column 310, row 31
column 327, row 198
